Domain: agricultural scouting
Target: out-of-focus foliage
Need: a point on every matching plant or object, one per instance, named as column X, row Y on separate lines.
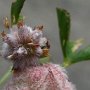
column 16, row 8
column 64, row 28
column 70, row 49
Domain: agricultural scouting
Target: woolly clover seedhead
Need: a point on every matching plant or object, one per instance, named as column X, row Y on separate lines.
column 23, row 41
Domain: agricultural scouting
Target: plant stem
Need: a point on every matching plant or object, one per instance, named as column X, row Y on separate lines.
column 6, row 75
column 66, row 63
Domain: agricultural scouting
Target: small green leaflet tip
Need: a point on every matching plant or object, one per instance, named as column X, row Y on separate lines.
column 16, row 8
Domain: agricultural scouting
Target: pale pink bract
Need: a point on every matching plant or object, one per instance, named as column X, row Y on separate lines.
column 46, row 77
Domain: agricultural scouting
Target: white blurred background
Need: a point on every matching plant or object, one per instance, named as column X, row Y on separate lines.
column 43, row 12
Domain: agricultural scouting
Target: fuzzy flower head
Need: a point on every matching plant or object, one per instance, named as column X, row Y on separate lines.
column 23, row 41
column 23, row 46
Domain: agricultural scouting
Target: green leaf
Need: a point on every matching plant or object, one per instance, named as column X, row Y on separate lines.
column 75, row 54
column 73, row 47
column 81, row 55
column 71, row 50
column 16, row 8
column 64, row 28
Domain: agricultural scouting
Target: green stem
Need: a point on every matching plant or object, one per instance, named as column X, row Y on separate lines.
column 6, row 75
column 66, row 63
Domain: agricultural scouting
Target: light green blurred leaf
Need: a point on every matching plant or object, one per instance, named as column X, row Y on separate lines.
column 64, row 28
column 81, row 55
column 44, row 60
column 73, row 46
column 5, row 76
column 16, row 8
column 77, row 55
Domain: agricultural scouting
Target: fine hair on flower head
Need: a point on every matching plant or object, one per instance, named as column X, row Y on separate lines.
column 23, row 44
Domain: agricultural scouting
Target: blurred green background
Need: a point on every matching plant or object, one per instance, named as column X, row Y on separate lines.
column 43, row 12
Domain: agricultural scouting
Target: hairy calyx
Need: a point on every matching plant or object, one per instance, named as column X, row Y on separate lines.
column 24, row 45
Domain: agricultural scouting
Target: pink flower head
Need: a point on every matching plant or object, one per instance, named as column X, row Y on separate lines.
column 46, row 77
